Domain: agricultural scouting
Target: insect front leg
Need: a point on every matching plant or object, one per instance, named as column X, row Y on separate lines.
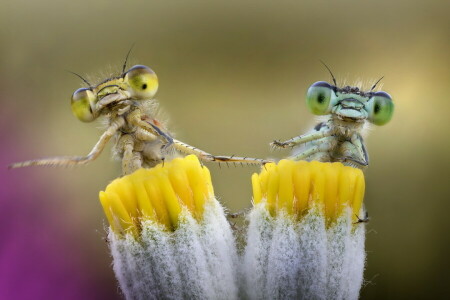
column 354, row 152
column 131, row 160
column 239, row 160
column 188, row 149
column 168, row 138
column 153, row 151
column 301, row 139
column 202, row 155
column 135, row 118
column 319, row 150
column 76, row 160
column 358, row 141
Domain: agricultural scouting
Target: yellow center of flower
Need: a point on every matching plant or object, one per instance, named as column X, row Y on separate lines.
column 297, row 186
column 157, row 194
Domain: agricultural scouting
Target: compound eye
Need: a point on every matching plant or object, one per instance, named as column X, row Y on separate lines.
column 381, row 108
column 142, row 82
column 82, row 103
column 318, row 98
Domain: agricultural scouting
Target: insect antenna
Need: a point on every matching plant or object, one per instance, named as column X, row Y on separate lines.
column 376, row 83
column 334, row 79
column 126, row 59
column 81, row 77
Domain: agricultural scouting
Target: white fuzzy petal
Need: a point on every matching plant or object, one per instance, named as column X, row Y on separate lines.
column 197, row 261
column 285, row 258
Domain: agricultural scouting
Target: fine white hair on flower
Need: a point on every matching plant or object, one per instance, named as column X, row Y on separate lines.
column 170, row 238
column 289, row 259
column 196, row 261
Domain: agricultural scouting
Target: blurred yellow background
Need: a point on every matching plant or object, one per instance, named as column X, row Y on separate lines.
column 233, row 77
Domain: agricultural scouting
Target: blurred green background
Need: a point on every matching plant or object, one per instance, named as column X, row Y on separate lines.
column 233, row 75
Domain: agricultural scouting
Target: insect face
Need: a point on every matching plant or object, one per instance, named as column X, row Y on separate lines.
column 138, row 83
column 349, row 103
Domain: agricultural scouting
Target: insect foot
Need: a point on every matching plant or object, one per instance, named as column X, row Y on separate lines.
column 279, row 144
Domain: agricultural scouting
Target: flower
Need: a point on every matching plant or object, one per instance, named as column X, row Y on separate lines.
column 303, row 241
column 169, row 237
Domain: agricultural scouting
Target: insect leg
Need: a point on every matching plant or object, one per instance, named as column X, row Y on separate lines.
column 131, row 160
column 136, row 163
column 135, row 118
column 354, row 153
column 306, row 154
column 358, row 141
column 240, row 160
column 168, row 138
column 238, row 214
column 76, row 160
column 301, row 139
column 362, row 220
column 319, row 150
column 188, row 149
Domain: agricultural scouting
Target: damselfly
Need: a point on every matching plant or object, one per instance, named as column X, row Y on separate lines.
column 338, row 139
column 141, row 139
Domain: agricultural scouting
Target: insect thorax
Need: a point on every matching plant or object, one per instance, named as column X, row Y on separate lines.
column 343, row 128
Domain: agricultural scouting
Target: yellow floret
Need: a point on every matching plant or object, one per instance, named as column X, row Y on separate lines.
column 296, row 186
column 158, row 194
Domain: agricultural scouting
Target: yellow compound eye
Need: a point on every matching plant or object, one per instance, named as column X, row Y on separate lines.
column 142, row 82
column 82, row 103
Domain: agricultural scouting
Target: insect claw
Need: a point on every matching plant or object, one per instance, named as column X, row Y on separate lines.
column 276, row 144
column 365, row 220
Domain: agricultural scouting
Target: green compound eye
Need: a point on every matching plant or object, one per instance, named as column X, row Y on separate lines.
column 142, row 82
column 381, row 108
column 318, row 98
column 82, row 102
